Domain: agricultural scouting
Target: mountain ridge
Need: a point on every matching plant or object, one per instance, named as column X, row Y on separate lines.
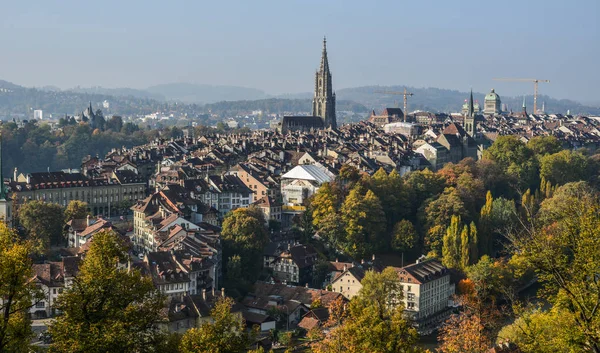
column 204, row 96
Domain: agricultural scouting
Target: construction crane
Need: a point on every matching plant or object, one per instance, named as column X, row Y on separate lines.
column 535, row 87
column 405, row 93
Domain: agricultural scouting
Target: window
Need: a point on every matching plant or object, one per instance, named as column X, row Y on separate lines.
column 40, row 305
column 408, row 288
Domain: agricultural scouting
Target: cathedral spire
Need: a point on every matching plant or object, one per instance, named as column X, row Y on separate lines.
column 471, row 106
column 324, row 62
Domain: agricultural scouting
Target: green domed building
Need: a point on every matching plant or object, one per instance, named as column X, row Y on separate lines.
column 492, row 104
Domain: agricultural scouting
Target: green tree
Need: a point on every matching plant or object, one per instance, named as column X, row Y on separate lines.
column 17, row 292
column 365, row 222
column 465, row 248
column 404, row 237
column 43, row 221
column 374, row 320
column 76, row 210
column 390, row 190
column 225, row 334
column 544, row 145
column 473, row 243
column 440, row 211
column 109, row 308
column 516, row 159
column 422, row 186
column 244, row 234
column 564, row 167
column 566, row 257
column 451, row 246
column 538, row 331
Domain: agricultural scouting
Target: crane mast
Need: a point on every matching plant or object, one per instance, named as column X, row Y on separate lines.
column 404, row 93
column 535, row 87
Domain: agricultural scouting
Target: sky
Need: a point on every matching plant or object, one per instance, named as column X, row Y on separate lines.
column 275, row 45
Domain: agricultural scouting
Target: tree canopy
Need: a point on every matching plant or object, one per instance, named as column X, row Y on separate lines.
column 110, row 307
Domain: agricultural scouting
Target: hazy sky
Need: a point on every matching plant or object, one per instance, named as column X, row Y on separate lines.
column 276, row 45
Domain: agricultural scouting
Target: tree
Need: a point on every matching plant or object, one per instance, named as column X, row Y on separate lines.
column 108, row 308
column 323, row 204
column 76, row 210
column 404, row 237
column 465, row 248
column 440, row 211
column 464, row 333
column 17, row 292
column 473, row 243
column 451, row 247
column 566, row 258
column 115, row 123
column 423, row 185
column 390, row 191
column 544, row 145
column 43, row 221
column 538, row 331
column 226, row 334
column 365, row 222
column 348, row 174
column 557, row 207
column 373, row 322
column 516, row 159
column 244, row 234
column 564, row 167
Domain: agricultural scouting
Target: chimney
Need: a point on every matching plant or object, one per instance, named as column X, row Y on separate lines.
column 88, row 220
column 223, row 292
column 345, row 268
column 15, row 174
column 213, row 291
column 362, row 262
column 373, row 259
column 203, row 293
column 336, row 260
column 306, row 285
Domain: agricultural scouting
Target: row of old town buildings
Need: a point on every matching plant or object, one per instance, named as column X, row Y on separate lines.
column 179, row 191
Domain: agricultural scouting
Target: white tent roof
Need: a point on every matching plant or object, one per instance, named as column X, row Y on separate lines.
column 309, row 172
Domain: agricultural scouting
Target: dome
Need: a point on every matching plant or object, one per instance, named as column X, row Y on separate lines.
column 492, row 96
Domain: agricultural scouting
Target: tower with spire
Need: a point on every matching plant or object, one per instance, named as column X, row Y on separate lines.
column 470, row 124
column 324, row 98
column 5, row 202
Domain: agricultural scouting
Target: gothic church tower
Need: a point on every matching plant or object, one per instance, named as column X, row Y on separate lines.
column 324, row 98
column 470, row 123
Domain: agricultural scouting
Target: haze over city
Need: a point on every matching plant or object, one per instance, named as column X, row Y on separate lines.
column 274, row 46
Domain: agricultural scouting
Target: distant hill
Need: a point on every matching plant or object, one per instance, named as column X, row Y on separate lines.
column 120, row 92
column 277, row 105
column 19, row 102
column 203, row 94
column 448, row 101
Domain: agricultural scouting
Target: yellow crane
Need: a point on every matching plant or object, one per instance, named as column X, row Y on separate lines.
column 535, row 87
column 404, row 93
